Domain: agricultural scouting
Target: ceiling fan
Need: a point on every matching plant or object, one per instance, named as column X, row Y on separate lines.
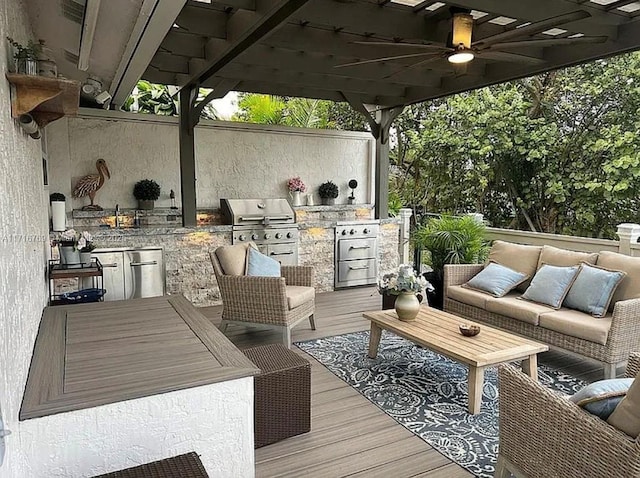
column 460, row 48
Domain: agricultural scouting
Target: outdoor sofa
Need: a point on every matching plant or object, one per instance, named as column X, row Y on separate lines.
column 609, row 339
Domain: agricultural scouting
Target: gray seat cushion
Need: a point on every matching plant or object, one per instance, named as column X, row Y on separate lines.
column 577, row 324
column 518, row 309
column 468, row 296
column 298, row 295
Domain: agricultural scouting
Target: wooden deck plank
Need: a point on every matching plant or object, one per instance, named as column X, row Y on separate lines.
column 340, row 432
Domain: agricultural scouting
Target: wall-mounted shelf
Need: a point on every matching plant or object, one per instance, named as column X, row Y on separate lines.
column 46, row 99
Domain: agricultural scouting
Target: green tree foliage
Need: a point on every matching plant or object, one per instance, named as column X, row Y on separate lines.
column 556, row 153
column 159, row 100
column 297, row 112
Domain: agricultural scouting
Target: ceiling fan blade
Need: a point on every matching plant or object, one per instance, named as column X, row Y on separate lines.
column 547, row 42
column 412, row 45
column 511, row 57
column 434, row 57
column 532, row 29
column 378, row 60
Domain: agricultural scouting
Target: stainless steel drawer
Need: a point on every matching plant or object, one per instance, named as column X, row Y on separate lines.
column 357, row 272
column 286, row 254
column 356, row 249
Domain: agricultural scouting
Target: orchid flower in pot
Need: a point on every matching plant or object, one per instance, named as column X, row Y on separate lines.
column 86, row 247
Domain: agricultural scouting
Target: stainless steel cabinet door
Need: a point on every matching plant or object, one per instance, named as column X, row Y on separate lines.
column 112, row 274
column 144, row 273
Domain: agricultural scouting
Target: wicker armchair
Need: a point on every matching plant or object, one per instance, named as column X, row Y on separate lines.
column 264, row 301
column 542, row 434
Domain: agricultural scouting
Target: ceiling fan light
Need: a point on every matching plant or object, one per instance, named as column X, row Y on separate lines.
column 461, row 56
column 462, row 30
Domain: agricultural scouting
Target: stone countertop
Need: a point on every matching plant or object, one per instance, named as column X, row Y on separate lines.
column 152, row 230
column 328, row 224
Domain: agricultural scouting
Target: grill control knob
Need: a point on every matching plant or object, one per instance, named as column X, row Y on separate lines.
column 344, row 232
column 267, row 236
column 254, row 236
column 366, row 231
column 242, row 237
column 352, row 231
column 289, row 235
column 278, row 235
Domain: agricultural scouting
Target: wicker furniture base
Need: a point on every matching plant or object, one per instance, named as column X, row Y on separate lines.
column 181, row 466
column 282, row 394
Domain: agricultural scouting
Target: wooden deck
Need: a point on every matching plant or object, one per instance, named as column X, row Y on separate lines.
column 349, row 435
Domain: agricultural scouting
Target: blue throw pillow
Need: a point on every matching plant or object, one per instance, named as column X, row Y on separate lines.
column 550, row 285
column 593, row 289
column 601, row 398
column 496, row 279
column 261, row 265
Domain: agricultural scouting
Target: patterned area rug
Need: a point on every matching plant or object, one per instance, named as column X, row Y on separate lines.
column 426, row 393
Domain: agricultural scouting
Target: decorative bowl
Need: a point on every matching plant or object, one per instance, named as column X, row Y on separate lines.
column 469, row 330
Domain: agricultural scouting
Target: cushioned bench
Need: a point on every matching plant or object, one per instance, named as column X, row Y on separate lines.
column 609, row 339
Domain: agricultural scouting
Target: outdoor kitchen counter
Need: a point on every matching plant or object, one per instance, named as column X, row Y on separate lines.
column 87, row 355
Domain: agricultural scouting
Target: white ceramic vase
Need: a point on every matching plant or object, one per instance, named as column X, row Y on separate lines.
column 407, row 306
column 296, row 198
column 58, row 215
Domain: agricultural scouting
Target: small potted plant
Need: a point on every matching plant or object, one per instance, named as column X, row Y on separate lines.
column 296, row 187
column 58, row 211
column 328, row 192
column 67, row 248
column 26, row 57
column 86, row 247
column 146, row 192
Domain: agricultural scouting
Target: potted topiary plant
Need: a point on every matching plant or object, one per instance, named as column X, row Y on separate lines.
column 450, row 240
column 58, row 212
column 26, row 57
column 146, row 192
column 328, row 192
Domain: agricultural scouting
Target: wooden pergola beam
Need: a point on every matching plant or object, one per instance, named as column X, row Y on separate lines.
column 240, row 39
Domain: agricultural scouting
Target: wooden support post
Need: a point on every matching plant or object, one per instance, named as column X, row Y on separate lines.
column 384, row 118
column 188, row 97
column 380, row 125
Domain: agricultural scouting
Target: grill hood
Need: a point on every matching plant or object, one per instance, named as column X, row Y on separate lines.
column 265, row 212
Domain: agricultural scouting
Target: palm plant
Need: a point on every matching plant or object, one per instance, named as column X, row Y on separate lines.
column 452, row 240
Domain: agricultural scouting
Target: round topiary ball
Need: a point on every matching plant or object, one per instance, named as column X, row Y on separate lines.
column 146, row 190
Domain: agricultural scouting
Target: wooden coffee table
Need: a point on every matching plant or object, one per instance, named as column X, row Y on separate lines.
column 439, row 331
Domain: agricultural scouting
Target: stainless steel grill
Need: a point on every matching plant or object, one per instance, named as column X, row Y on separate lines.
column 356, row 253
column 269, row 223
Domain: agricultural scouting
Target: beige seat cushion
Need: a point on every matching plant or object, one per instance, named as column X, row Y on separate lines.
column 629, row 287
column 517, row 309
column 468, row 296
column 518, row 257
column 577, row 324
column 298, row 295
column 564, row 258
column 233, row 259
column 626, row 416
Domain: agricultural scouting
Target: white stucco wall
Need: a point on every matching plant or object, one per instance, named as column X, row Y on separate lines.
column 215, row 420
column 232, row 159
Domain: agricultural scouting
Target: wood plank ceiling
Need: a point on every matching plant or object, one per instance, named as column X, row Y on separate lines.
column 292, row 47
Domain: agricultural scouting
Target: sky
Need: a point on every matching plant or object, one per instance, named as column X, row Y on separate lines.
column 226, row 106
